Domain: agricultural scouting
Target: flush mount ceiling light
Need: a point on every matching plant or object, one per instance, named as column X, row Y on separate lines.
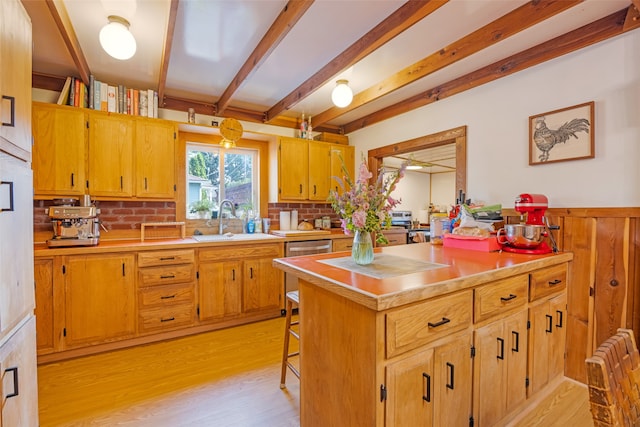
column 413, row 167
column 116, row 39
column 342, row 95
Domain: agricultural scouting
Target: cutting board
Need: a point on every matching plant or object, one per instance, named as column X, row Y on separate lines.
column 289, row 233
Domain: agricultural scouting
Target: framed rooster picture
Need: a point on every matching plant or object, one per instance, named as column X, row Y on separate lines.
column 560, row 135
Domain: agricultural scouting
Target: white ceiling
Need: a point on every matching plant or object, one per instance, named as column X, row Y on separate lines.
column 213, row 38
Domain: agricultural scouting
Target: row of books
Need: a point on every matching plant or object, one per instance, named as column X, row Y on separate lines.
column 115, row 99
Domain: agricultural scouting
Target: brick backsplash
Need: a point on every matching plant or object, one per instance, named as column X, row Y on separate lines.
column 119, row 215
column 308, row 211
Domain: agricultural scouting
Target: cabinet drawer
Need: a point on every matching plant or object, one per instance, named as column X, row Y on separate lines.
column 159, row 318
column 165, row 295
column 548, row 281
column 500, row 297
column 342, row 244
column 414, row 326
column 155, row 258
column 240, row 252
column 166, row 275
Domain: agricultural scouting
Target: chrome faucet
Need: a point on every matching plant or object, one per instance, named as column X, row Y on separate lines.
column 220, row 206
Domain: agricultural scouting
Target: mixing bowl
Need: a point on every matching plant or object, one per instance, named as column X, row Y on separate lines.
column 521, row 235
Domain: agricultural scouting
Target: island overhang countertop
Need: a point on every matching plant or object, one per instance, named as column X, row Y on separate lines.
column 408, row 273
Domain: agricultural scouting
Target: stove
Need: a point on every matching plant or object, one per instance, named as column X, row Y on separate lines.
column 401, row 218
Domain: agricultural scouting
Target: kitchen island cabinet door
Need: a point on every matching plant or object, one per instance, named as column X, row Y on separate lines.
column 59, row 150
column 16, row 254
column 500, row 368
column 110, row 155
column 262, row 288
column 546, row 341
column 155, row 159
column 431, row 387
column 220, row 289
column 100, row 303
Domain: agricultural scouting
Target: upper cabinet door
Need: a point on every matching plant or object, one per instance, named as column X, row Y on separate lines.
column 110, row 155
column 341, row 154
column 155, row 159
column 319, row 166
column 59, row 150
column 15, row 75
column 293, row 169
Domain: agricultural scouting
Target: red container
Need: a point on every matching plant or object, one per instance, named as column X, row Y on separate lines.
column 482, row 244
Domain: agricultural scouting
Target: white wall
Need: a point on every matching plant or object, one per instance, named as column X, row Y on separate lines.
column 497, row 114
column 414, row 192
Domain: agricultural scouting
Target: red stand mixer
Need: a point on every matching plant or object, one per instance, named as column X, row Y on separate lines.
column 527, row 238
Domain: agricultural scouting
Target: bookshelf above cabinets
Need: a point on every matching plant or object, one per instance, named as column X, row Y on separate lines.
column 101, row 96
column 80, row 151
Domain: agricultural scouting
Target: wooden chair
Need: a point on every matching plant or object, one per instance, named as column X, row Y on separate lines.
column 292, row 300
column 613, row 376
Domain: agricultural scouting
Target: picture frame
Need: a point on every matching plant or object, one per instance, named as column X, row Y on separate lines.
column 561, row 135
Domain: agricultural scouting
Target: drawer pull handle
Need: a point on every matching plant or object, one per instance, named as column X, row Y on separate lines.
column 10, row 208
column 168, row 319
column 555, row 282
column 427, row 387
column 500, row 348
column 440, row 323
column 169, row 276
column 559, row 324
column 550, row 327
column 12, row 109
column 14, row 370
column 167, row 258
column 516, row 341
column 509, row 298
column 167, row 296
column 450, row 368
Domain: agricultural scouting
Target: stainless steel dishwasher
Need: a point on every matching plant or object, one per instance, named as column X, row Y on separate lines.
column 305, row 247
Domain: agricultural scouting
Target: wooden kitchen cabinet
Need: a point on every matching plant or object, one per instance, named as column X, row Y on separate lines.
column 547, row 341
column 306, row 167
column 262, row 285
column 342, row 244
column 100, row 302
column 110, row 167
column 16, row 254
column 395, row 236
column 15, row 79
column 431, row 387
column 155, row 158
column 18, row 379
column 43, row 280
column 238, row 280
column 166, row 290
column 59, row 150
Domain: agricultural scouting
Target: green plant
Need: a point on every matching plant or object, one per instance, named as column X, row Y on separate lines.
column 204, row 205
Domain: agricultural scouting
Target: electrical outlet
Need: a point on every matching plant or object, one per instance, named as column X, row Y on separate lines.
column 214, row 123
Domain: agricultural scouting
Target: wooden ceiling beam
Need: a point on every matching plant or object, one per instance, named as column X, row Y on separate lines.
column 404, row 17
column 582, row 37
column 61, row 18
column 633, row 16
column 285, row 21
column 508, row 25
column 166, row 51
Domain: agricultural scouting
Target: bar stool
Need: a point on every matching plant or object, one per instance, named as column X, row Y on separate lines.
column 292, row 299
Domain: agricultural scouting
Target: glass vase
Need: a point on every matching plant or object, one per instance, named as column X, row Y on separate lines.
column 362, row 250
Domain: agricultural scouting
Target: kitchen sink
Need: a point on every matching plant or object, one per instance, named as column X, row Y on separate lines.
column 231, row 237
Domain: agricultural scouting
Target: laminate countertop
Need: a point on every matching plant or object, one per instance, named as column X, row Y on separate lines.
column 408, row 273
column 42, row 250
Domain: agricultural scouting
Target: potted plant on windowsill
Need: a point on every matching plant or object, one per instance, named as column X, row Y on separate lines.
column 202, row 208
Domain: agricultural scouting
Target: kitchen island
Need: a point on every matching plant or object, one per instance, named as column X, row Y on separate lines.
column 428, row 335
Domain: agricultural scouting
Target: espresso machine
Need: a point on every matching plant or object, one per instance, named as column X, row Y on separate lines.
column 74, row 226
column 528, row 237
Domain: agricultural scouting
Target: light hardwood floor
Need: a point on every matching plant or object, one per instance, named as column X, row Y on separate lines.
column 224, row 378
